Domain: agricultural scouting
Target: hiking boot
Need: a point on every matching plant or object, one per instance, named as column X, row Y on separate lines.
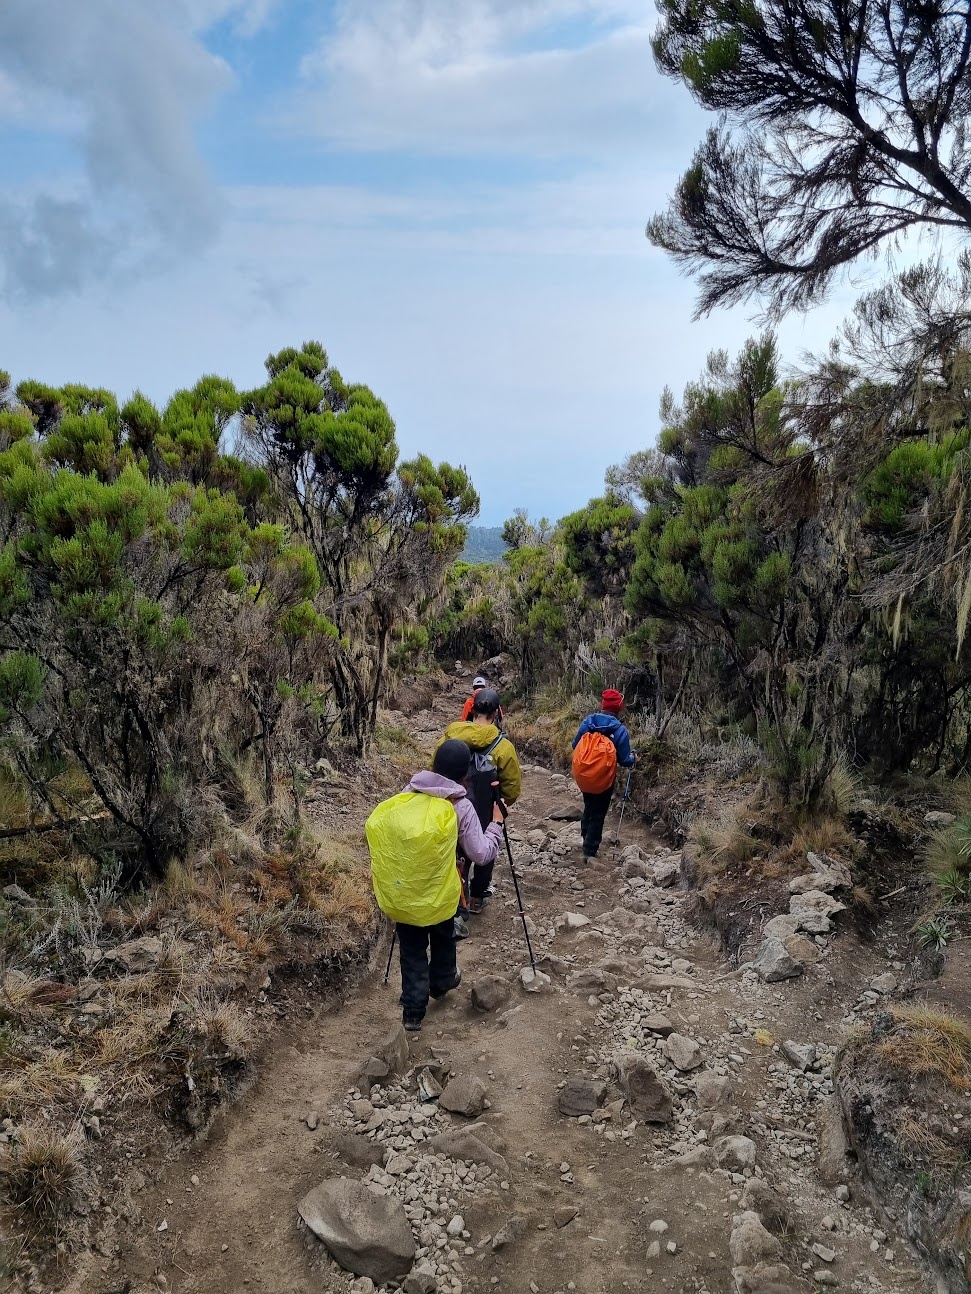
column 475, row 907
column 490, row 891
column 460, row 928
column 440, row 992
column 412, row 1023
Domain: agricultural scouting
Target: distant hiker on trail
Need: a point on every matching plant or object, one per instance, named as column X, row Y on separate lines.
column 602, row 742
column 478, row 683
column 494, row 770
column 414, row 839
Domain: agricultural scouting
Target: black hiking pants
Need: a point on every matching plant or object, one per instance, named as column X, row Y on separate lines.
column 595, row 806
column 427, row 964
column 481, row 880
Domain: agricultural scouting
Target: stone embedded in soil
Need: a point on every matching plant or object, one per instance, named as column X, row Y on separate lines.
column 510, row 1231
column 565, row 1214
column 834, row 1164
column 814, row 910
column 463, row 1144
column 138, row 956
column 657, row 1023
column 429, row 1088
column 710, row 1089
column 750, row 1243
column 375, row 1071
column 938, row 818
column 420, row 1280
column 575, row 920
column 827, row 881
column 801, row 1055
column 464, row 1094
column 665, row 873
column 683, row 1053
column 885, row 983
column 801, row 949
column 581, row 1096
column 534, row 981
column 735, row 1152
column 367, row 1234
column 773, row 963
column 489, row 993
column 648, row 1097
column 571, row 814
column 394, row 1050
column 759, row 1197
column 781, row 927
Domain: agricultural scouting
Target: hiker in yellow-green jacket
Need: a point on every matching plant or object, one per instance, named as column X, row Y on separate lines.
column 495, row 770
column 414, row 839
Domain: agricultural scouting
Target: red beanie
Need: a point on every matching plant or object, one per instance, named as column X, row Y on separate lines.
column 612, row 699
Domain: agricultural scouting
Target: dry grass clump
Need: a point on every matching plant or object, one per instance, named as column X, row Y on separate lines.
column 928, row 1042
column 40, row 1177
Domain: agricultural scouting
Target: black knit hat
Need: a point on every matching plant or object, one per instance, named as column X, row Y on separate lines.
column 486, row 701
column 452, row 760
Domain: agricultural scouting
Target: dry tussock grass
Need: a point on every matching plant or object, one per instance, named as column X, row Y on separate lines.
column 926, row 1144
column 928, row 1042
column 40, row 1177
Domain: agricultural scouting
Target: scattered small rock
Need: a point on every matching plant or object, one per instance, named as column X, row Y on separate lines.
column 683, row 1053
column 510, row 1231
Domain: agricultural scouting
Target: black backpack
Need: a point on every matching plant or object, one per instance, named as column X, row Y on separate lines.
column 482, row 773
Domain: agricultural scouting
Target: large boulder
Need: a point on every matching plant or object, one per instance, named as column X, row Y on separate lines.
column 367, row 1234
column 648, row 1097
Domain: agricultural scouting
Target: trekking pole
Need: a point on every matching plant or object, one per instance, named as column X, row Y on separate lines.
column 515, row 880
column 623, row 805
column 394, row 937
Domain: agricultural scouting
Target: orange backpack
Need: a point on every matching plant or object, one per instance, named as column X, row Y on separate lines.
column 594, row 763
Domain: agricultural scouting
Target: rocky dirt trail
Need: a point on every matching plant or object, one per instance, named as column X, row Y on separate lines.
column 654, row 1117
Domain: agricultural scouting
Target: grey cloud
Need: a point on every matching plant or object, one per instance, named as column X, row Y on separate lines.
column 130, row 83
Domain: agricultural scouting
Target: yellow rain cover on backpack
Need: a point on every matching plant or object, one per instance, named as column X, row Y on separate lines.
column 412, row 839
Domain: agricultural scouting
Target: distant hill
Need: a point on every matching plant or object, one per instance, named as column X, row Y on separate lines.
column 484, row 544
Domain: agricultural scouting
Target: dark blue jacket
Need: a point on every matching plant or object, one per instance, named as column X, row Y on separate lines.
column 614, row 729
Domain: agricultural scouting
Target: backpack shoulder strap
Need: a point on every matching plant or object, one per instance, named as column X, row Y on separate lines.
column 491, row 748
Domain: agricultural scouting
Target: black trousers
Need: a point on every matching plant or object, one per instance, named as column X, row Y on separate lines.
column 595, row 806
column 427, row 964
column 481, row 880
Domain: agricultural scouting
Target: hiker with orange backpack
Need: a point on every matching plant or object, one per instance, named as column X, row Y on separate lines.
column 602, row 742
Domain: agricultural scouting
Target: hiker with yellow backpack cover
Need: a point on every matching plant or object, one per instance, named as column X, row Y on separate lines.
column 602, row 742
column 414, row 840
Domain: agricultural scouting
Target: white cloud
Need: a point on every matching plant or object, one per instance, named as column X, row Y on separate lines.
column 543, row 78
column 124, row 81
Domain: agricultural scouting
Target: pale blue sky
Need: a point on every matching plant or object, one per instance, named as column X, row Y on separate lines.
column 449, row 194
